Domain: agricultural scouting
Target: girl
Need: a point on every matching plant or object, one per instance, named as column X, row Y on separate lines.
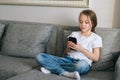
column 79, row 58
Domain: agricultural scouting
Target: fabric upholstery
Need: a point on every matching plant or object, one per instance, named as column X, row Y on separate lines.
column 117, row 69
column 38, row 75
column 25, row 40
column 2, row 26
column 109, row 47
column 11, row 66
column 51, row 45
column 111, row 44
column 98, row 75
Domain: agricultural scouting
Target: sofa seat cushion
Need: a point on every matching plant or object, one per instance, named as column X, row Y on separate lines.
column 111, row 45
column 25, row 40
column 99, row 75
column 11, row 66
column 38, row 75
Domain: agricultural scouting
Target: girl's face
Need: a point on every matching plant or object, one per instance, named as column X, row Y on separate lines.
column 85, row 23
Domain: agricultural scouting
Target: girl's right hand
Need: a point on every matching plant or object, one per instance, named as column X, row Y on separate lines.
column 70, row 44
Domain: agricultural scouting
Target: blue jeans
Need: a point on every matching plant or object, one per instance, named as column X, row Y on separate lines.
column 58, row 65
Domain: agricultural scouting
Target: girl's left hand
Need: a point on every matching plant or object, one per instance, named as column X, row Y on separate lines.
column 76, row 47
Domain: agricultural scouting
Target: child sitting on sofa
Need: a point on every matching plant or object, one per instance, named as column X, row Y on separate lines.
column 80, row 55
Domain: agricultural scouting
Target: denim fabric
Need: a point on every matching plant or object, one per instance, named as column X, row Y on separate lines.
column 58, row 65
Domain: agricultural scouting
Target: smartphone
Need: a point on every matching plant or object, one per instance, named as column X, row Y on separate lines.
column 73, row 39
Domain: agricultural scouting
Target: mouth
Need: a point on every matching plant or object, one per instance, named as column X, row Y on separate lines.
column 83, row 28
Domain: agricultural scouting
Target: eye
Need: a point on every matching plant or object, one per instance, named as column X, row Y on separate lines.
column 81, row 21
column 86, row 22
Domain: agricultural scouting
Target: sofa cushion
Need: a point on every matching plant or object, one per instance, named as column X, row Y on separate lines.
column 38, row 75
column 111, row 44
column 51, row 45
column 11, row 66
column 2, row 26
column 25, row 40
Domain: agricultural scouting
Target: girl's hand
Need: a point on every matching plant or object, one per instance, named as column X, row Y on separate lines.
column 67, row 47
column 74, row 46
column 78, row 47
column 70, row 44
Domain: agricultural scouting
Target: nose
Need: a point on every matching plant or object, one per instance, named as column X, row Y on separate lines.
column 82, row 24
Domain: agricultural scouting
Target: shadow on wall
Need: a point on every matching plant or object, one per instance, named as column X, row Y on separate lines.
column 116, row 20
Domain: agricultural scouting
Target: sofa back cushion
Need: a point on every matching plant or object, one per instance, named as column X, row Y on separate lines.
column 2, row 26
column 25, row 40
column 51, row 45
column 111, row 45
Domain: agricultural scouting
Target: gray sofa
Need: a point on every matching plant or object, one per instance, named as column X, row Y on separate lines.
column 20, row 42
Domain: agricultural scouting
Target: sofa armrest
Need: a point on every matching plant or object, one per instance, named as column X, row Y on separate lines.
column 117, row 70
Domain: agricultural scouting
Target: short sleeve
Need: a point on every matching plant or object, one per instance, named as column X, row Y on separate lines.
column 73, row 34
column 97, row 42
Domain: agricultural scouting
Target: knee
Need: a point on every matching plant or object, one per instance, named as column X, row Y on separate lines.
column 82, row 67
column 39, row 57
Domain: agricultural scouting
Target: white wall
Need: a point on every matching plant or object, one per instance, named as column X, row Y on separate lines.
column 59, row 15
column 116, row 20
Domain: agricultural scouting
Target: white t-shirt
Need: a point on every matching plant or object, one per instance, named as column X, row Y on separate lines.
column 90, row 42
